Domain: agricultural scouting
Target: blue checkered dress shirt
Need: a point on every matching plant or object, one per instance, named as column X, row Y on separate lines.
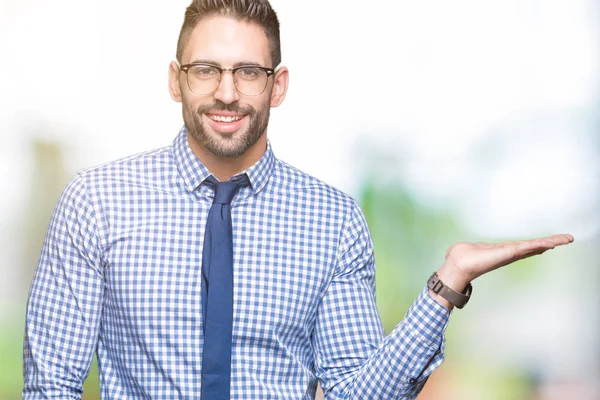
column 120, row 270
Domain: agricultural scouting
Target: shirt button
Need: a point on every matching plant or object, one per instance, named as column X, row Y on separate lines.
column 412, row 381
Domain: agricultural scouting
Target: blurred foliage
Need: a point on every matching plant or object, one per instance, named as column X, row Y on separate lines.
column 11, row 370
column 91, row 386
column 410, row 242
column 11, row 349
column 48, row 179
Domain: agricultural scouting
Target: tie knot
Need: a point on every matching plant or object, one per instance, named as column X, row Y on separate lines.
column 225, row 191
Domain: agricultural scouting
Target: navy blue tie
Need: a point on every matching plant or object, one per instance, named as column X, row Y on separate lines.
column 217, row 291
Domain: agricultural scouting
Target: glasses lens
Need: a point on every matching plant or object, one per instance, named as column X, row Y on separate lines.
column 203, row 79
column 251, row 81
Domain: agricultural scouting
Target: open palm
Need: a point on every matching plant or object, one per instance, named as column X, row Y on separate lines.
column 470, row 260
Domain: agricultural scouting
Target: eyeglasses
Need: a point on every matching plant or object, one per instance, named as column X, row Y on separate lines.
column 204, row 79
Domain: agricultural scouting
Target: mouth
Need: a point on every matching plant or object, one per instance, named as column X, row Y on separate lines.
column 225, row 123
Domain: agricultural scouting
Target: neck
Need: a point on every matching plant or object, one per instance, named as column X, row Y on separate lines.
column 224, row 168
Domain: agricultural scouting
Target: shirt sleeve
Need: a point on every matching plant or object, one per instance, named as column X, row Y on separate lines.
column 353, row 360
column 65, row 300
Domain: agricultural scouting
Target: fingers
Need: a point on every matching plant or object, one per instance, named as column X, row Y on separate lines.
column 548, row 241
column 556, row 240
column 563, row 238
column 526, row 248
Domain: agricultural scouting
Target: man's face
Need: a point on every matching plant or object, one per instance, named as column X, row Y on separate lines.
column 226, row 123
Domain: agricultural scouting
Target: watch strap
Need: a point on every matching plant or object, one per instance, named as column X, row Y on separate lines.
column 457, row 299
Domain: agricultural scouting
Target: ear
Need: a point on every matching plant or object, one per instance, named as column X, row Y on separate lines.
column 174, row 85
column 280, row 86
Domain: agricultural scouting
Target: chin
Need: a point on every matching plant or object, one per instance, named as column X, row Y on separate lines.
column 225, row 148
column 226, row 144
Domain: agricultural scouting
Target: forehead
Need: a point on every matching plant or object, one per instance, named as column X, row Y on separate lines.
column 227, row 41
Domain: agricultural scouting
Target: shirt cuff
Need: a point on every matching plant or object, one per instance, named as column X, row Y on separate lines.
column 428, row 319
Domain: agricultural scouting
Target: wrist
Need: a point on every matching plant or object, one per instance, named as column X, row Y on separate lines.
column 452, row 278
column 440, row 300
column 449, row 288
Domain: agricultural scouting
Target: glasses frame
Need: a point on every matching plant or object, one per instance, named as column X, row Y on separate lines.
column 186, row 67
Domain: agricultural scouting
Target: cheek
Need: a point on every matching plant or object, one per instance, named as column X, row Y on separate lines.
column 186, row 99
column 191, row 103
column 263, row 102
column 190, row 113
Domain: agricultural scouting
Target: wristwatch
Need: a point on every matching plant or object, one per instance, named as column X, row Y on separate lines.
column 457, row 299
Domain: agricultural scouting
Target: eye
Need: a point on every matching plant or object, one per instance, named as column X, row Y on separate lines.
column 204, row 71
column 249, row 72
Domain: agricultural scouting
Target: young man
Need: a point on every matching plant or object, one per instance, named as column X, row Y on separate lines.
column 210, row 269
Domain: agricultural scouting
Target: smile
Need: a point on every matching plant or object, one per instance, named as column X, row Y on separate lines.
column 226, row 123
column 222, row 118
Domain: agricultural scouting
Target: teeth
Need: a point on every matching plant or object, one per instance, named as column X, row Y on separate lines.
column 220, row 118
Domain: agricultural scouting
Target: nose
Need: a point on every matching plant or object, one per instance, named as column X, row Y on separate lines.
column 226, row 91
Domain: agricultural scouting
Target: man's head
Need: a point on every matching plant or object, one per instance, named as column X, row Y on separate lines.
column 258, row 12
column 226, row 115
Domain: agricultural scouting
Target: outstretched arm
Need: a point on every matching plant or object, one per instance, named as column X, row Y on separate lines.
column 352, row 358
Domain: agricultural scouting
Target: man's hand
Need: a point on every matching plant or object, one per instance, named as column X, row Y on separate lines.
column 466, row 261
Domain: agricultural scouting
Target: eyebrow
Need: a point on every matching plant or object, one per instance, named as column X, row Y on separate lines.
column 237, row 64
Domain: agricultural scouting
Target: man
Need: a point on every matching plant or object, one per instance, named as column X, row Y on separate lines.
column 210, row 269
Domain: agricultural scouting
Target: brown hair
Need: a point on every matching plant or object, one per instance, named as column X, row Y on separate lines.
column 259, row 12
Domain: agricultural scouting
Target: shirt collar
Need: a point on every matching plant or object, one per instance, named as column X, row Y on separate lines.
column 194, row 172
column 261, row 171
